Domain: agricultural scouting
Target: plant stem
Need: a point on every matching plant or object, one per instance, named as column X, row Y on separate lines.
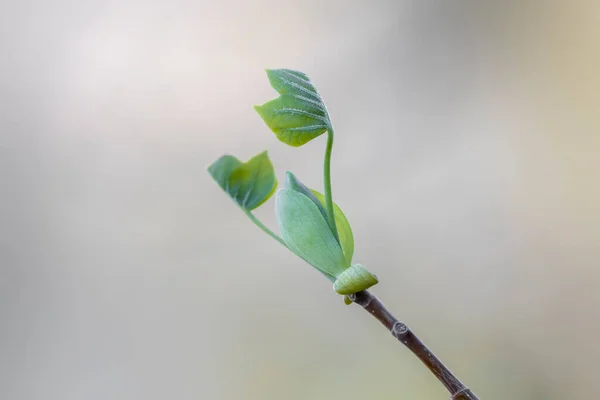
column 403, row 333
column 327, row 183
column 264, row 228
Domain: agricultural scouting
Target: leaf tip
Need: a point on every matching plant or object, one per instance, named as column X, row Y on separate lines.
column 260, row 109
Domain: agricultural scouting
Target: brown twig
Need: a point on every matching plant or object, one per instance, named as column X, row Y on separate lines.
column 403, row 333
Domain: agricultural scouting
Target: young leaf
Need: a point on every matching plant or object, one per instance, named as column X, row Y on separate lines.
column 221, row 169
column 307, row 234
column 343, row 227
column 249, row 184
column 291, row 182
column 299, row 114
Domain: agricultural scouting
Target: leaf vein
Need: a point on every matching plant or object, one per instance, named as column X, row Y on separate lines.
column 253, row 185
column 305, row 128
column 299, row 78
column 309, row 92
column 301, row 112
column 316, row 103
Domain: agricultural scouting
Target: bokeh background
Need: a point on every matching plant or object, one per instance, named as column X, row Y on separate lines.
column 467, row 159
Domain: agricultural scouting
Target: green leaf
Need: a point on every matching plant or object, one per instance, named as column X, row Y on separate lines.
column 343, row 227
column 291, row 182
column 299, row 114
column 249, row 184
column 307, row 234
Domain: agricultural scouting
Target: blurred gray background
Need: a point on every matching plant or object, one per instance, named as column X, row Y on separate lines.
column 466, row 158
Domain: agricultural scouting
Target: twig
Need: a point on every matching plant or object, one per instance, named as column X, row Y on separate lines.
column 403, row 333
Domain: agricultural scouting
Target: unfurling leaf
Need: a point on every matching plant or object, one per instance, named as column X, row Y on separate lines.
column 291, row 182
column 306, row 233
column 299, row 114
column 249, row 184
column 343, row 227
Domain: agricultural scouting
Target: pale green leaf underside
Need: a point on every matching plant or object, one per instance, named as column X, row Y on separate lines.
column 249, row 184
column 298, row 115
column 306, row 233
column 343, row 227
column 291, row 182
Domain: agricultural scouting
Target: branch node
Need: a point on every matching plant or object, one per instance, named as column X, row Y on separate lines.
column 463, row 391
column 363, row 298
column 398, row 329
column 403, row 334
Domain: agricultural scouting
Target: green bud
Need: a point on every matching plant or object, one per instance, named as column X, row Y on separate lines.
column 354, row 279
column 306, row 232
column 291, row 182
